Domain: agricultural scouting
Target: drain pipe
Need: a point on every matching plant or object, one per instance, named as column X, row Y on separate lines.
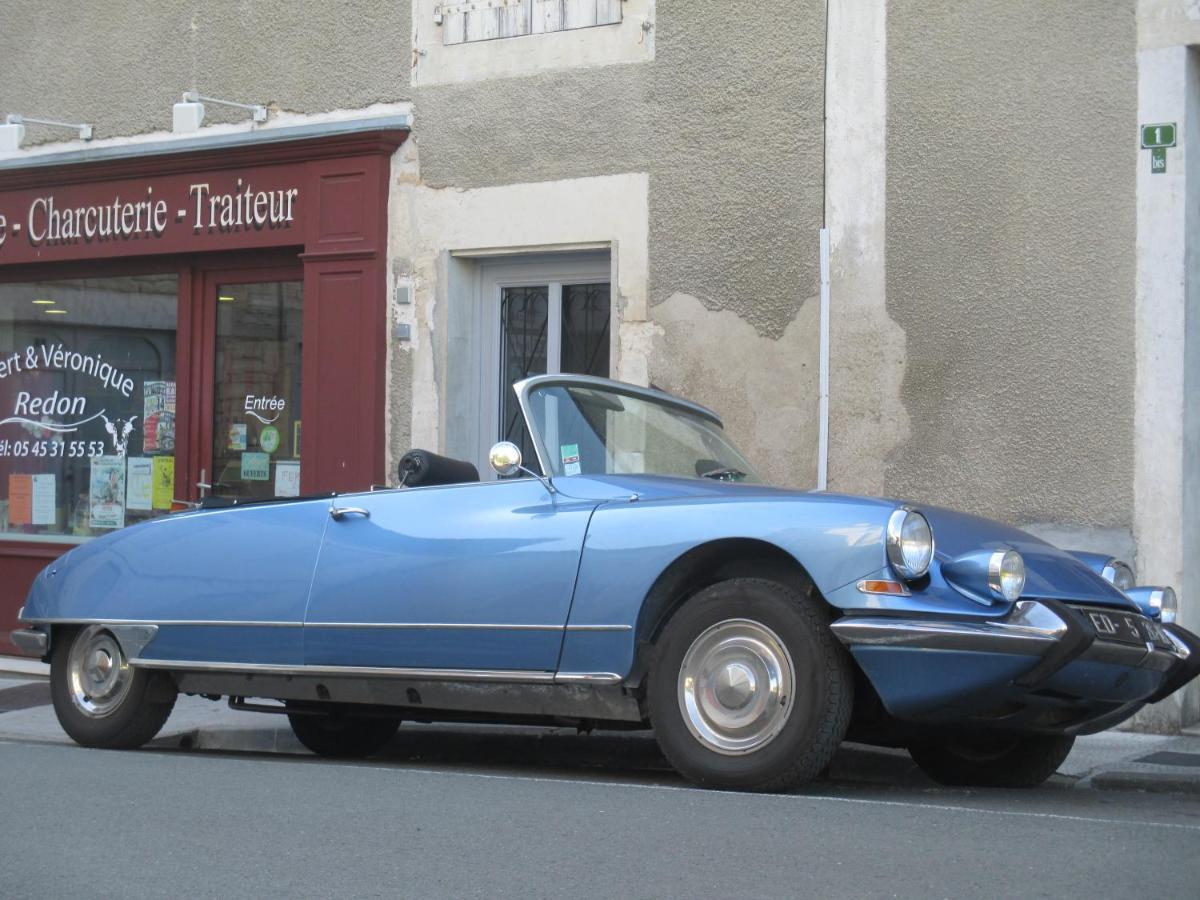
column 823, row 383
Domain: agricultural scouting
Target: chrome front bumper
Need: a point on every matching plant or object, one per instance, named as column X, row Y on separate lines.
column 31, row 642
column 1056, row 633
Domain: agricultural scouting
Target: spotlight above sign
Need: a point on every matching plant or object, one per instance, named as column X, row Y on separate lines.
column 12, row 132
column 188, row 115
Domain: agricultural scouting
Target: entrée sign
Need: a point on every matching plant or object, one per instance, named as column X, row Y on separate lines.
column 177, row 213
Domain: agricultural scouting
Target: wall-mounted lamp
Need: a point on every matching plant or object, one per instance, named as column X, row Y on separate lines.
column 12, row 132
column 188, row 115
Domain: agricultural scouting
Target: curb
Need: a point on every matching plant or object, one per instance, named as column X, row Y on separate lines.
column 1149, row 782
column 16, row 665
column 245, row 740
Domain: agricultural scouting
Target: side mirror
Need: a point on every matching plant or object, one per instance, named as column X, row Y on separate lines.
column 505, row 458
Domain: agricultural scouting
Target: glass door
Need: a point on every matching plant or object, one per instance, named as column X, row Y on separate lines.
column 549, row 328
column 257, row 364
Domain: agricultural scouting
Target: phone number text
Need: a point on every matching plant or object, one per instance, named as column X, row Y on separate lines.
column 52, row 449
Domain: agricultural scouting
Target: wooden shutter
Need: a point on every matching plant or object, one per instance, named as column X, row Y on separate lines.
column 482, row 20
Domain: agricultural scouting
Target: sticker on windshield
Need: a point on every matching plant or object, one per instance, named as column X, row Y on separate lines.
column 570, row 458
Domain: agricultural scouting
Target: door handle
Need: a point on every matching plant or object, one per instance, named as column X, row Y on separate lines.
column 340, row 512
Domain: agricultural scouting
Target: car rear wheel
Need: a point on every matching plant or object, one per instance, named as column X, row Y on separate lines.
column 341, row 734
column 749, row 690
column 100, row 700
column 1012, row 761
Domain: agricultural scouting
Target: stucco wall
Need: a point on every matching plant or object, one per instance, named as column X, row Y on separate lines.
column 726, row 120
column 1010, row 264
column 121, row 65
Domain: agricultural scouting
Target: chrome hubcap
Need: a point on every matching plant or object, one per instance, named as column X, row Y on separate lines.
column 97, row 672
column 736, row 686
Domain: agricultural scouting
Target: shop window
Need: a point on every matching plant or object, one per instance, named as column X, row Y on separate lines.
column 482, row 20
column 87, row 405
column 256, row 400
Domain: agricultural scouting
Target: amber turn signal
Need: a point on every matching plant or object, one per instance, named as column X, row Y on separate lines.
column 879, row 586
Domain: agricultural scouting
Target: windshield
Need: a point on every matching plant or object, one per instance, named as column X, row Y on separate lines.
column 596, row 431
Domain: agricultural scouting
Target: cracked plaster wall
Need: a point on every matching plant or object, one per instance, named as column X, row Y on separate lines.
column 121, row 65
column 727, row 122
column 1010, row 264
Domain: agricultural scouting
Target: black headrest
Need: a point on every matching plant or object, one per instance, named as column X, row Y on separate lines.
column 420, row 468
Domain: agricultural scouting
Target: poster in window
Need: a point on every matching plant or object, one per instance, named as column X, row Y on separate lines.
column 158, row 406
column 139, row 484
column 106, row 492
column 164, row 482
column 20, row 499
column 287, row 479
column 43, row 508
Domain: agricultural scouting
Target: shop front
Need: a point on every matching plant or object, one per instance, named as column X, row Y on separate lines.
column 178, row 325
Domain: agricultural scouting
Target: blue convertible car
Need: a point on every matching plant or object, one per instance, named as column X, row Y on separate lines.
column 635, row 575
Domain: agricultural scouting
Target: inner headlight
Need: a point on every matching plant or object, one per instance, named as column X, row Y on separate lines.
column 1167, row 604
column 1118, row 574
column 909, row 543
column 1006, row 574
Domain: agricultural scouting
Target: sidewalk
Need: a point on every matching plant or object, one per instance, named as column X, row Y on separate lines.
column 1112, row 760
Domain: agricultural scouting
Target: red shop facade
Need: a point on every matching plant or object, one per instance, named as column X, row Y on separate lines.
column 182, row 325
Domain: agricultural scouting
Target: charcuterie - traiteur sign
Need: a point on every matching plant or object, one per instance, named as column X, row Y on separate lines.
column 212, row 210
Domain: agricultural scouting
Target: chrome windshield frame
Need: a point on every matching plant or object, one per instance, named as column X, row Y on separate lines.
column 653, row 395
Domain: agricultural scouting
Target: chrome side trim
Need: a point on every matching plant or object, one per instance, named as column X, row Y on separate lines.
column 509, row 675
column 246, row 623
column 466, row 626
column 160, row 622
column 587, row 678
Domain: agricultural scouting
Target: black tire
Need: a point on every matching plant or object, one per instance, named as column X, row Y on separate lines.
column 1003, row 761
column 342, row 735
column 817, row 713
column 133, row 719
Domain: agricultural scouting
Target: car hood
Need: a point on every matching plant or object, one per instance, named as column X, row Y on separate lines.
column 1050, row 572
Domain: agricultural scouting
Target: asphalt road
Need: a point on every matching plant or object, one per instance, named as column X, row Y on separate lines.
column 173, row 823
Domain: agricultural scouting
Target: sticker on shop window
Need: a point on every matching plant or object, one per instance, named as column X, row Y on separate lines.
column 256, row 467
column 570, row 458
column 237, row 436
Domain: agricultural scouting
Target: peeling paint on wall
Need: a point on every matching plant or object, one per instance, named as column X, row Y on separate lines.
column 764, row 388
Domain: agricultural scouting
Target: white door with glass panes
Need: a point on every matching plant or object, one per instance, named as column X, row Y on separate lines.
column 541, row 318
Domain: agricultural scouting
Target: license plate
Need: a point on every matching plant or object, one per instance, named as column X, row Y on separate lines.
column 1125, row 628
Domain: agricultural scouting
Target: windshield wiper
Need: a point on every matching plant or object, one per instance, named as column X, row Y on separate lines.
column 728, row 474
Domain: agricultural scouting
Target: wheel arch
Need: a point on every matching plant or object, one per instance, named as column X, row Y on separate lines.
column 714, row 561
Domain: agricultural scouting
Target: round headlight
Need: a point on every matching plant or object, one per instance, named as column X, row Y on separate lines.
column 1167, row 604
column 909, row 543
column 1006, row 574
column 1118, row 574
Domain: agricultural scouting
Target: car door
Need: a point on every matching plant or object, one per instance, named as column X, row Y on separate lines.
column 476, row 576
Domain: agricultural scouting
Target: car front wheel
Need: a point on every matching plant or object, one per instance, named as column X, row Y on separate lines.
column 749, row 689
column 100, row 700
column 1012, row 761
column 340, row 734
